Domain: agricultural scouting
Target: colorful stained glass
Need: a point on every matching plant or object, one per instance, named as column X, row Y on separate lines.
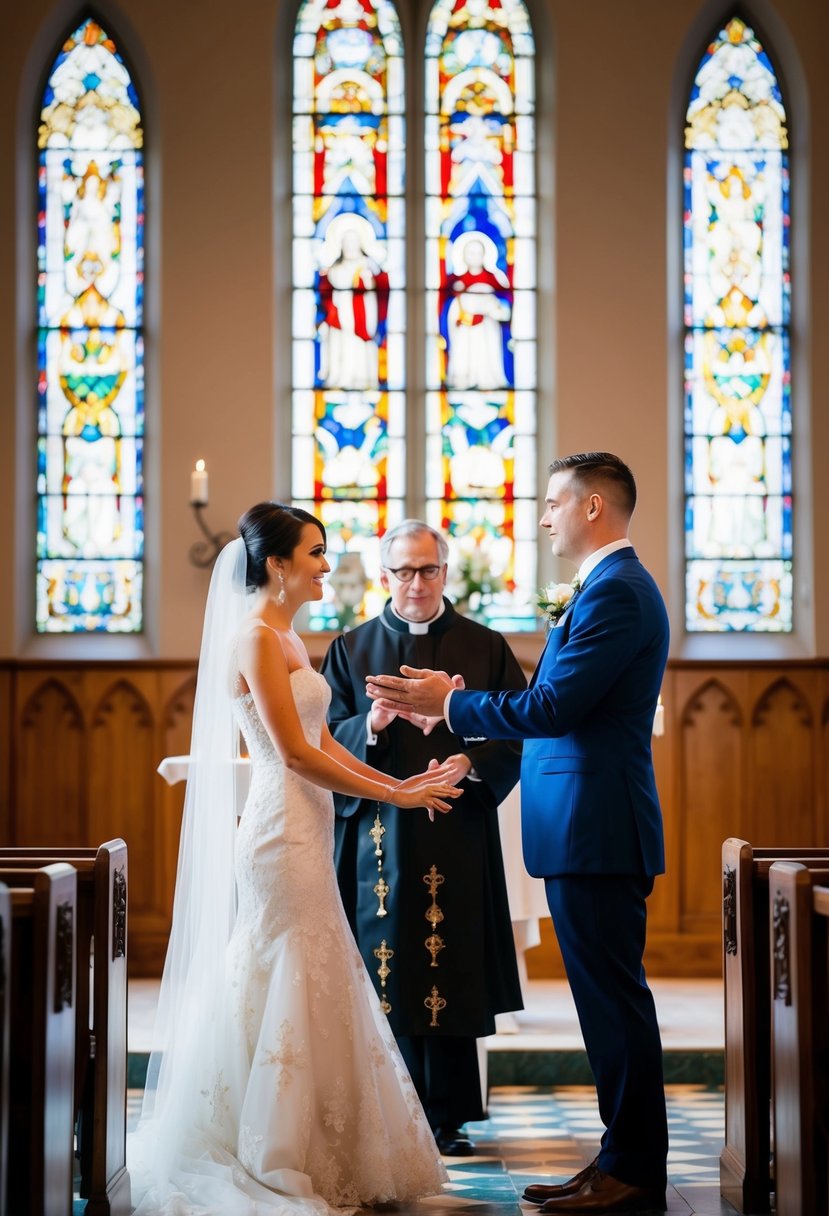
column 90, row 485
column 349, row 279
column 738, row 458
column 481, row 304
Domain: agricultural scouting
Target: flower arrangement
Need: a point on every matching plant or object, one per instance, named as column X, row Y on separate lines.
column 553, row 599
column 473, row 585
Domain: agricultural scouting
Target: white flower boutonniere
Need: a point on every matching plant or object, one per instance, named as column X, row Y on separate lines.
column 552, row 600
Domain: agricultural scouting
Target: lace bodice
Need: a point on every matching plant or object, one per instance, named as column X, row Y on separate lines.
column 312, row 697
column 280, row 802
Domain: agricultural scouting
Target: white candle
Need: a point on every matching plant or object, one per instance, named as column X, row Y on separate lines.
column 198, row 485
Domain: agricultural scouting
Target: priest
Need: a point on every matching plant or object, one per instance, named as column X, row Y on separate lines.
column 427, row 900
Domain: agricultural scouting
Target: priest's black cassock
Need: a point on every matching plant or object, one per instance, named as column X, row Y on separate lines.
column 452, row 963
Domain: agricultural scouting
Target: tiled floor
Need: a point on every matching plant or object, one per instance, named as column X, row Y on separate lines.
column 544, row 1135
column 547, row 1133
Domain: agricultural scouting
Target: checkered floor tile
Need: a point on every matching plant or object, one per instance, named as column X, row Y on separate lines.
column 548, row 1134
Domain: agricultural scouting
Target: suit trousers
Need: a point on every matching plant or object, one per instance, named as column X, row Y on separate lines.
column 600, row 922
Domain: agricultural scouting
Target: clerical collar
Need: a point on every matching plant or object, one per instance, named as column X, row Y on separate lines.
column 440, row 622
column 417, row 626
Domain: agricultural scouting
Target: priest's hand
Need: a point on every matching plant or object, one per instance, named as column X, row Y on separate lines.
column 421, row 721
column 381, row 717
column 418, row 690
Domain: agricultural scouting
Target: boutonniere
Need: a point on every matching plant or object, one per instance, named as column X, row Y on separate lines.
column 552, row 600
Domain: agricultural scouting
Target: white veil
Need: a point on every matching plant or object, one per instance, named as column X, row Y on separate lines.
column 188, row 1018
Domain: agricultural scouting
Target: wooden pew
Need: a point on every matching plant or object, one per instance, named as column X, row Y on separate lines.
column 101, row 1029
column 42, row 1044
column 799, row 932
column 746, row 1169
column 5, row 1014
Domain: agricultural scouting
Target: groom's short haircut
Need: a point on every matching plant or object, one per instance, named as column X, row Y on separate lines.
column 597, row 469
column 412, row 527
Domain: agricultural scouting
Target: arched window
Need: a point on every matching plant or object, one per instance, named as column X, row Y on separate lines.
column 89, row 342
column 738, row 459
column 472, row 414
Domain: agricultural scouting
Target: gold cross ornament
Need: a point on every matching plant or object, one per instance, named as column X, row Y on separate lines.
column 434, row 944
column 381, row 890
column 434, row 1004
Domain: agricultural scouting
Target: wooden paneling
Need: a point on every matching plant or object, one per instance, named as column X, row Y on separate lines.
column 711, row 765
column 87, row 740
column 122, row 752
column 744, row 754
column 782, row 740
column 6, row 714
column 50, row 790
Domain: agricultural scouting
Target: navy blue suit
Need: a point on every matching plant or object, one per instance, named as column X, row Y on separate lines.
column 592, row 828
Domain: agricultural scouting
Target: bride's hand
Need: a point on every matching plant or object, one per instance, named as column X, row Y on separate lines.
column 429, row 789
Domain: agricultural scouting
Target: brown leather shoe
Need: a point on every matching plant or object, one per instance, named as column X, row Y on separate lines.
column 603, row 1193
column 538, row 1192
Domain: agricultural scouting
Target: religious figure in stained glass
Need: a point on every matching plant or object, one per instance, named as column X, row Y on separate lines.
column 480, row 276
column 349, row 278
column 354, row 301
column 737, row 305
column 477, row 315
column 90, row 349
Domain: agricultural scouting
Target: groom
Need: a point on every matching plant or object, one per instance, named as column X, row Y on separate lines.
column 592, row 826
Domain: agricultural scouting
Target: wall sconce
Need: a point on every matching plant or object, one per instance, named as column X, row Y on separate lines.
column 204, row 552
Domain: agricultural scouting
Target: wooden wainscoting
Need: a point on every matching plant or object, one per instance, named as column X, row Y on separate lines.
column 85, row 741
column 745, row 753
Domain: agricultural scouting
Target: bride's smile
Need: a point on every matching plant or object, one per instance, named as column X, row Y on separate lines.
column 304, row 572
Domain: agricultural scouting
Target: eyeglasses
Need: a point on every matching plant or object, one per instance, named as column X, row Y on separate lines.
column 405, row 574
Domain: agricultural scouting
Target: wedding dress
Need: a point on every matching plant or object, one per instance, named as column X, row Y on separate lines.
column 303, row 1102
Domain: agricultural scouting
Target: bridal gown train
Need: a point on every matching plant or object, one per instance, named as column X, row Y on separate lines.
column 306, row 1103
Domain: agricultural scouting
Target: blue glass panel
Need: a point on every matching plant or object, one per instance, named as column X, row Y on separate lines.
column 737, row 415
column 90, row 390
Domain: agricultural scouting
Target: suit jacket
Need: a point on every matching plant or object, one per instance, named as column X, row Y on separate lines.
column 588, row 795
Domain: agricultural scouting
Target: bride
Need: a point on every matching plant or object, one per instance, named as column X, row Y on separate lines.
column 275, row 1085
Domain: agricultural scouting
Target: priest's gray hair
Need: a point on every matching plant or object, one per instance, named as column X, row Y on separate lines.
column 411, row 527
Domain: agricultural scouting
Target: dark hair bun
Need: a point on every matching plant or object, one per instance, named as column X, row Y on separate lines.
column 271, row 529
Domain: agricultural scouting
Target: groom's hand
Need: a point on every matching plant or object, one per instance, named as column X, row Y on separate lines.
column 418, row 691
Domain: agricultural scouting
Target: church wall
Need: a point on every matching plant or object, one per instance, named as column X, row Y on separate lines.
column 218, row 277
column 218, row 283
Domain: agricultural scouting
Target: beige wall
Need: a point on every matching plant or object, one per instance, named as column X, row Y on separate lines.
column 213, row 77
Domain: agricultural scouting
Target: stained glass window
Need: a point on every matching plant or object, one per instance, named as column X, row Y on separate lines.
column 480, row 302
column 90, row 532
column 349, row 370
column 738, row 459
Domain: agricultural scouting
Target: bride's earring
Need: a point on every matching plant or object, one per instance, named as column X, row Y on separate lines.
column 280, row 599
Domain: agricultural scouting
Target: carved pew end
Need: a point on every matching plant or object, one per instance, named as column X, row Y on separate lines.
column 798, row 923
column 41, row 1097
